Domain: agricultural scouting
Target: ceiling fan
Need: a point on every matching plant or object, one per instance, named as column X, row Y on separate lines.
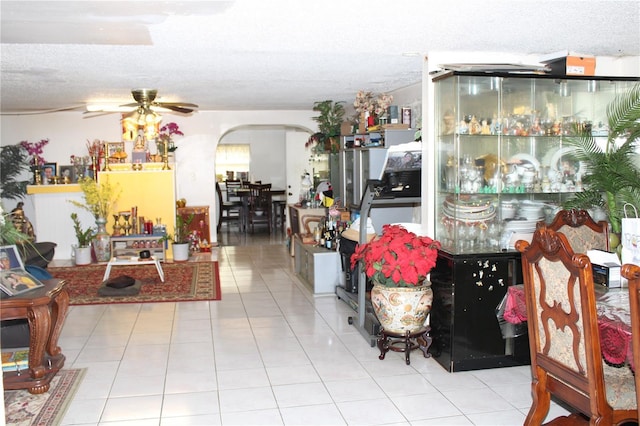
column 145, row 101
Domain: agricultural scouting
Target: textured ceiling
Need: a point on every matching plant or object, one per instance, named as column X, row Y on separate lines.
column 274, row 54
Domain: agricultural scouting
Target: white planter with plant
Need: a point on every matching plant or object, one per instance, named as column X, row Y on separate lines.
column 82, row 251
column 181, row 242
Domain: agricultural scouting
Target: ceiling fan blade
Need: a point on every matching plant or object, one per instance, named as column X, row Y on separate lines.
column 176, row 108
column 183, row 104
column 96, row 113
column 45, row 111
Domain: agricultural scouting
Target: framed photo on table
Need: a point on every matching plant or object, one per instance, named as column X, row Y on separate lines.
column 48, row 171
column 14, row 279
column 68, row 172
column 115, row 152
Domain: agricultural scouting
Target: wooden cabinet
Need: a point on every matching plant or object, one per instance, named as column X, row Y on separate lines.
column 318, row 268
column 200, row 222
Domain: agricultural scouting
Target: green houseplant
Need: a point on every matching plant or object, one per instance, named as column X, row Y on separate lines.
column 329, row 122
column 82, row 253
column 612, row 176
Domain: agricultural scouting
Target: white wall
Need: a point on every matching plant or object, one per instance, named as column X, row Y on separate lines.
column 68, row 133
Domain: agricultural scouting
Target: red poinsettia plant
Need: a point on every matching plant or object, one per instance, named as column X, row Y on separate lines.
column 397, row 258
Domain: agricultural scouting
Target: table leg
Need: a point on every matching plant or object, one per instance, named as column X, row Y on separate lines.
column 39, row 319
column 160, row 271
column 107, row 272
column 59, row 308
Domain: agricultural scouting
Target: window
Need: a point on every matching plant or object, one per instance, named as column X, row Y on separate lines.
column 232, row 161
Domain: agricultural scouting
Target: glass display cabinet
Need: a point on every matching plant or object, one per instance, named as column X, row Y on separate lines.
column 502, row 159
column 502, row 165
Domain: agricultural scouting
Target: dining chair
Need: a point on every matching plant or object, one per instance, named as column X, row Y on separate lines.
column 229, row 210
column 566, row 361
column 632, row 273
column 582, row 232
column 259, row 211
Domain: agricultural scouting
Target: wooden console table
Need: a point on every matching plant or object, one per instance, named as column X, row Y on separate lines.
column 46, row 309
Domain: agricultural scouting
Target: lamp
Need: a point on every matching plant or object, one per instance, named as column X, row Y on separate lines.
column 142, row 118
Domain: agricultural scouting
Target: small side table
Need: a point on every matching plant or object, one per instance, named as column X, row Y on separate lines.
column 398, row 342
column 45, row 308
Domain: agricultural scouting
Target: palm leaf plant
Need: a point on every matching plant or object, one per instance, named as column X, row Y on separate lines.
column 612, row 176
column 13, row 163
column 329, row 122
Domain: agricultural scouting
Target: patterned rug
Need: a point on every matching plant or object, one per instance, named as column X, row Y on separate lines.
column 25, row 409
column 189, row 281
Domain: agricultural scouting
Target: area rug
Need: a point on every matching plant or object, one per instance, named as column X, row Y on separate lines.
column 188, row 281
column 24, row 409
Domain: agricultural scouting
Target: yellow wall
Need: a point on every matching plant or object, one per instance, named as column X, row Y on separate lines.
column 152, row 191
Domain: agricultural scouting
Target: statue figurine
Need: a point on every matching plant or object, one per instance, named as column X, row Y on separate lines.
column 21, row 223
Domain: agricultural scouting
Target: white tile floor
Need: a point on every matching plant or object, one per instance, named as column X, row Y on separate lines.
column 268, row 353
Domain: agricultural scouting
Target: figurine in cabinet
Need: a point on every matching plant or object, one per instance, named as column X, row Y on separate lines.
column 474, row 126
column 485, row 129
column 463, row 128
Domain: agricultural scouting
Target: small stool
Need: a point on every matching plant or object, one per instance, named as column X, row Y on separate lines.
column 404, row 342
column 279, row 208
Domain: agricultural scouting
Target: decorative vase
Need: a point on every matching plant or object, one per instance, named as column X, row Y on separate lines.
column 180, row 252
column 402, row 308
column 102, row 241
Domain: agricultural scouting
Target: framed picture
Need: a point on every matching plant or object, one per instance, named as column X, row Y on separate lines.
column 115, row 152
column 68, row 172
column 13, row 278
column 49, row 170
column 10, row 258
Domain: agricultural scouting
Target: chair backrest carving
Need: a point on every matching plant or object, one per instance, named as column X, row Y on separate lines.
column 632, row 273
column 563, row 329
column 259, row 196
column 232, row 187
column 581, row 231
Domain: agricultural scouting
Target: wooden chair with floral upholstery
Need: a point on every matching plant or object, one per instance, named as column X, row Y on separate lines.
column 582, row 232
column 566, row 361
column 632, row 273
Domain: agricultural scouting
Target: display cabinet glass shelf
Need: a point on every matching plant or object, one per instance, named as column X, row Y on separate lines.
column 502, row 159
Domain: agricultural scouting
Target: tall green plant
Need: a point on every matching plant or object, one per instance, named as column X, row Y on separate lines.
column 612, row 173
column 329, row 122
column 13, row 162
column 182, row 228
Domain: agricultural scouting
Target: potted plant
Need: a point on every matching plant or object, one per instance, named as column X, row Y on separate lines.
column 612, row 176
column 99, row 200
column 398, row 262
column 181, row 240
column 82, row 252
column 329, row 122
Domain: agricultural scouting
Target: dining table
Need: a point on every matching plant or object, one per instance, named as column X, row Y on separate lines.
column 614, row 320
column 244, row 194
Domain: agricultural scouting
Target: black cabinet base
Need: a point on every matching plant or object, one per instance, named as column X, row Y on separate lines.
column 466, row 333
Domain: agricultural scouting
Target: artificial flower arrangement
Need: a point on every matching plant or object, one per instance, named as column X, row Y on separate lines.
column 35, row 151
column 398, row 258
column 99, row 199
column 95, row 148
column 367, row 102
column 165, row 136
column 364, row 102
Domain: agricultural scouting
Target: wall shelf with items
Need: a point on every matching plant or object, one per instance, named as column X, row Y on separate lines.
column 503, row 162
